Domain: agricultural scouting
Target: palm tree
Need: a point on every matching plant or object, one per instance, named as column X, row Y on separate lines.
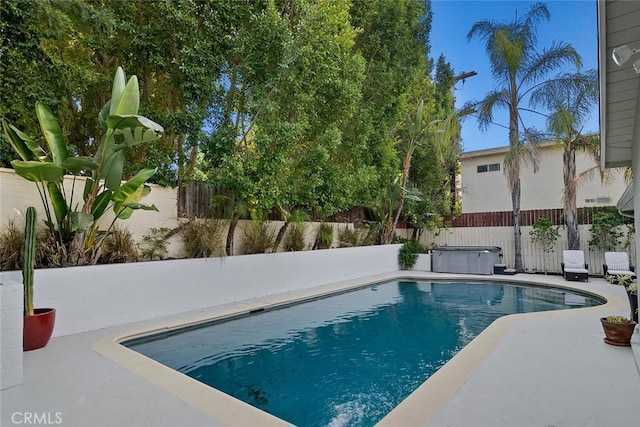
column 571, row 98
column 517, row 68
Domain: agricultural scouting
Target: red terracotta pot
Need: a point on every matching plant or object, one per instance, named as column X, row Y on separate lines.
column 38, row 328
column 618, row 333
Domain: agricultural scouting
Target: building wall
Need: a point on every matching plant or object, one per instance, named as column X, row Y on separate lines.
column 488, row 191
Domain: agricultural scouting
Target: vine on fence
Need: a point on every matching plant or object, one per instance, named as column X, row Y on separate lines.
column 544, row 234
column 607, row 230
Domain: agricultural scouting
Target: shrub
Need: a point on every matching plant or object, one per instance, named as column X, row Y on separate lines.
column 350, row 237
column 258, row 239
column 408, row 254
column 119, row 247
column 324, row 238
column 11, row 241
column 606, row 230
column 49, row 252
column 295, row 237
column 203, row 238
column 154, row 244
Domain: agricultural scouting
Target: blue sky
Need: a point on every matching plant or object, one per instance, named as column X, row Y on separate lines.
column 572, row 21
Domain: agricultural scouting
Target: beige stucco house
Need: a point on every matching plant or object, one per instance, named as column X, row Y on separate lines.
column 484, row 184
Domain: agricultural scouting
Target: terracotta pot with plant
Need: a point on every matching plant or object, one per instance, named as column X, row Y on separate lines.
column 618, row 330
column 630, row 284
column 37, row 323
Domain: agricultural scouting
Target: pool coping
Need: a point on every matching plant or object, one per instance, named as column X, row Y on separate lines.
column 418, row 408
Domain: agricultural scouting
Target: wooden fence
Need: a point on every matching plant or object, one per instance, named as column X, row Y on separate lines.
column 528, row 217
column 195, row 201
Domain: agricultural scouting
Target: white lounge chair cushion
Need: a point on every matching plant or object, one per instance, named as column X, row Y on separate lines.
column 568, row 265
column 616, row 261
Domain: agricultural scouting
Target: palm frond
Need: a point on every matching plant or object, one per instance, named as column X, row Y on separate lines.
column 486, row 107
column 537, row 66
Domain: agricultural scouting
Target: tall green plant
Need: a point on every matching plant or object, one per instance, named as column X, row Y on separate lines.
column 77, row 229
column 28, row 259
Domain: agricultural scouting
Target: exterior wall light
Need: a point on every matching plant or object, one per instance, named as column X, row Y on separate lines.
column 622, row 54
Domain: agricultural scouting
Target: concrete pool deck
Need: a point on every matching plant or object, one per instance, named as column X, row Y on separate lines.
column 541, row 369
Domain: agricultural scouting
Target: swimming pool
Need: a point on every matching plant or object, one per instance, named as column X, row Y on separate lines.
column 347, row 359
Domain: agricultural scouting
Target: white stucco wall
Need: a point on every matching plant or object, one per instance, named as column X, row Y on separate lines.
column 11, row 359
column 17, row 194
column 95, row 297
column 488, row 191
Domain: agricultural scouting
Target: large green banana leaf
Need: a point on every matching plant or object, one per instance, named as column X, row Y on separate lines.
column 122, row 121
column 127, row 189
column 117, row 90
column 126, row 198
column 77, row 164
column 52, row 133
column 102, row 202
column 18, row 141
column 58, row 201
column 38, row 171
column 129, row 101
column 112, row 169
column 136, row 137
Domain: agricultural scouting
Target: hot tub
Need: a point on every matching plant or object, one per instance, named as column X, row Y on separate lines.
column 466, row 259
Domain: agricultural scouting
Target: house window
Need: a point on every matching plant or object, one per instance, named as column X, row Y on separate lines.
column 489, row 168
column 603, row 200
column 589, row 200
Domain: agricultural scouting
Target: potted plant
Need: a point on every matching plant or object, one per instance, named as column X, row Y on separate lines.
column 630, row 284
column 73, row 225
column 37, row 323
column 618, row 330
column 413, row 255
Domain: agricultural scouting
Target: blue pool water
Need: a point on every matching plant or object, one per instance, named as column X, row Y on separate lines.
column 349, row 359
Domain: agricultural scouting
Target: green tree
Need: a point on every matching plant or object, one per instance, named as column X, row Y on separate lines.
column 571, row 98
column 395, row 45
column 64, row 53
column 517, row 68
column 435, row 163
column 416, row 134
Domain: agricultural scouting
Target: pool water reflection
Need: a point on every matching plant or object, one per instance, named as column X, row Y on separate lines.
column 347, row 359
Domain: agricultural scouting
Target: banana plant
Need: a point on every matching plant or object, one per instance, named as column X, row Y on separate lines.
column 77, row 229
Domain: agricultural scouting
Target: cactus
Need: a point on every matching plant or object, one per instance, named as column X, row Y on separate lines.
column 28, row 259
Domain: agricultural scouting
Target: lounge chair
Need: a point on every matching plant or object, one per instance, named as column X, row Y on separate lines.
column 617, row 264
column 573, row 266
